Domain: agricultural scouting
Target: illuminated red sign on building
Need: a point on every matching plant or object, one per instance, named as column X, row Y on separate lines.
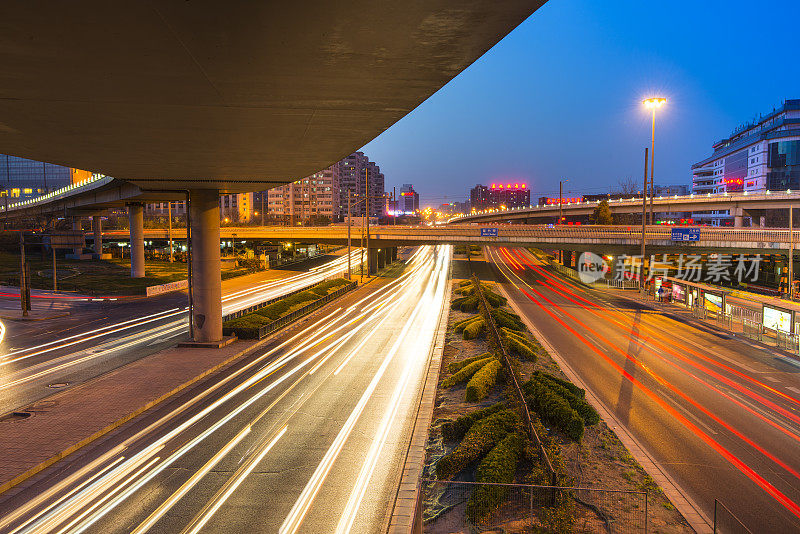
column 509, row 186
column 734, row 184
column 551, row 201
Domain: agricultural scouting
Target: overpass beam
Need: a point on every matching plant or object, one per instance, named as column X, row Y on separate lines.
column 136, row 222
column 98, row 236
column 206, row 266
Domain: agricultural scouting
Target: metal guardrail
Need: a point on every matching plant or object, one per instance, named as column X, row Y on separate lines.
column 281, row 322
column 472, row 232
column 256, row 307
column 520, row 397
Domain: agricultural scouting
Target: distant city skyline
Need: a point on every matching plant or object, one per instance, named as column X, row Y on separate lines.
column 560, row 98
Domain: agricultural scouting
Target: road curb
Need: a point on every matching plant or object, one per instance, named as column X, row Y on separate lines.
column 32, row 319
column 406, row 514
column 677, row 495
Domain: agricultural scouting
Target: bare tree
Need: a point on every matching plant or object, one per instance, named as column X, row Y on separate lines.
column 627, row 186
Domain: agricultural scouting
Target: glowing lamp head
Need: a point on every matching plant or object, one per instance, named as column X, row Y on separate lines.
column 655, row 102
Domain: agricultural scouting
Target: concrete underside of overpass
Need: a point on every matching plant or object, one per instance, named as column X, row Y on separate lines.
column 226, row 96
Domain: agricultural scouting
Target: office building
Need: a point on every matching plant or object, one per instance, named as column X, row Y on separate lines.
column 500, row 195
column 408, row 201
column 762, row 155
column 23, row 178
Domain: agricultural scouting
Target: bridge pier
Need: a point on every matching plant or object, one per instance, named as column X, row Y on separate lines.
column 381, row 258
column 392, row 254
column 136, row 222
column 77, row 226
column 206, row 271
column 738, row 217
column 566, row 258
column 372, row 261
column 98, row 236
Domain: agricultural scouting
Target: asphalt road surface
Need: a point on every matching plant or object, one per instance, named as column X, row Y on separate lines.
column 721, row 415
column 309, row 434
column 39, row 358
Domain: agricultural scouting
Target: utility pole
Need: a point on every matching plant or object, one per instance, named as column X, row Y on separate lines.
column 55, row 277
column 169, row 230
column 263, row 193
column 644, row 220
column 394, row 205
column 348, row 236
column 560, row 194
column 22, row 277
column 366, row 201
column 652, row 165
column 791, row 253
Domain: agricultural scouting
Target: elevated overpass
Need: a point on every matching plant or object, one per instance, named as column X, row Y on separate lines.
column 600, row 239
column 179, row 98
column 739, row 204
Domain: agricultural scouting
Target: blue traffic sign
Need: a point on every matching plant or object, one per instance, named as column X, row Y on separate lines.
column 686, row 234
column 488, row 232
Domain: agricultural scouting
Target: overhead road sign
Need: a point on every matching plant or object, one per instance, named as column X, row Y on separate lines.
column 686, row 234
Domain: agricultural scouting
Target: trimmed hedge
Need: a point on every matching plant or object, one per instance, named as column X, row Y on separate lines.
column 499, row 466
column 459, row 326
column 466, row 373
column 467, row 304
column 455, row 430
column 455, row 367
column 508, row 320
column 577, row 402
column 483, row 381
column 464, row 283
column 474, row 329
column 480, row 439
column 520, row 349
column 494, row 300
column 578, row 392
column 554, row 409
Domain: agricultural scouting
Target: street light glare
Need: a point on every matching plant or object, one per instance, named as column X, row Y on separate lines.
column 655, row 102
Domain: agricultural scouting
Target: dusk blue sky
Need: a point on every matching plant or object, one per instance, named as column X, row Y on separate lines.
column 560, row 97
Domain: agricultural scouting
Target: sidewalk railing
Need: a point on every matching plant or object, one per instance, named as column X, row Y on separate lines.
column 473, row 507
column 258, row 306
column 277, row 324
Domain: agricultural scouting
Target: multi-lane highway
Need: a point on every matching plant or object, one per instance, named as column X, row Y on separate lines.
column 99, row 336
column 722, row 416
column 307, row 435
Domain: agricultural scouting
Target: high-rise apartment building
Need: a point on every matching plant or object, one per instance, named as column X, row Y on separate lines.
column 22, row 178
column 355, row 172
column 315, row 196
column 233, row 208
column 763, row 155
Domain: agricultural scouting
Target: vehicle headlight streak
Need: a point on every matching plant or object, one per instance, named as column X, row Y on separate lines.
column 88, row 491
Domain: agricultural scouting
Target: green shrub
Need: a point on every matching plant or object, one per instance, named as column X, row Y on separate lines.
column 474, row 330
column 508, row 320
column 483, row 381
column 494, row 300
column 455, row 367
column 466, row 373
column 522, row 338
column 541, row 375
column 498, row 466
column 521, row 350
column 469, row 305
column 554, row 409
column 455, row 430
column 577, row 402
column 459, row 326
column 465, row 283
column 480, row 439
column 456, row 303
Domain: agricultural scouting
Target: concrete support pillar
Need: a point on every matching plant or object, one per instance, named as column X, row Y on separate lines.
column 98, row 235
column 738, row 217
column 76, row 225
column 392, row 254
column 136, row 222
column 372, row 260
column 567, row 255
column 381, row 258
column 206, row 265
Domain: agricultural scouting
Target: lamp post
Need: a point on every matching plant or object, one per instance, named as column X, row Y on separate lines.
column 653, row 104
column 560, row 200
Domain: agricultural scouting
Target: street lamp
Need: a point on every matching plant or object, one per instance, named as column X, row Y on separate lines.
column 653, row 103
column 560, row 201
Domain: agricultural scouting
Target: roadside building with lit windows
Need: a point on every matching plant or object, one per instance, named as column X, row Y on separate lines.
column 762, row 155
column 409, row 199
column 499, row 195
column 23, row 178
